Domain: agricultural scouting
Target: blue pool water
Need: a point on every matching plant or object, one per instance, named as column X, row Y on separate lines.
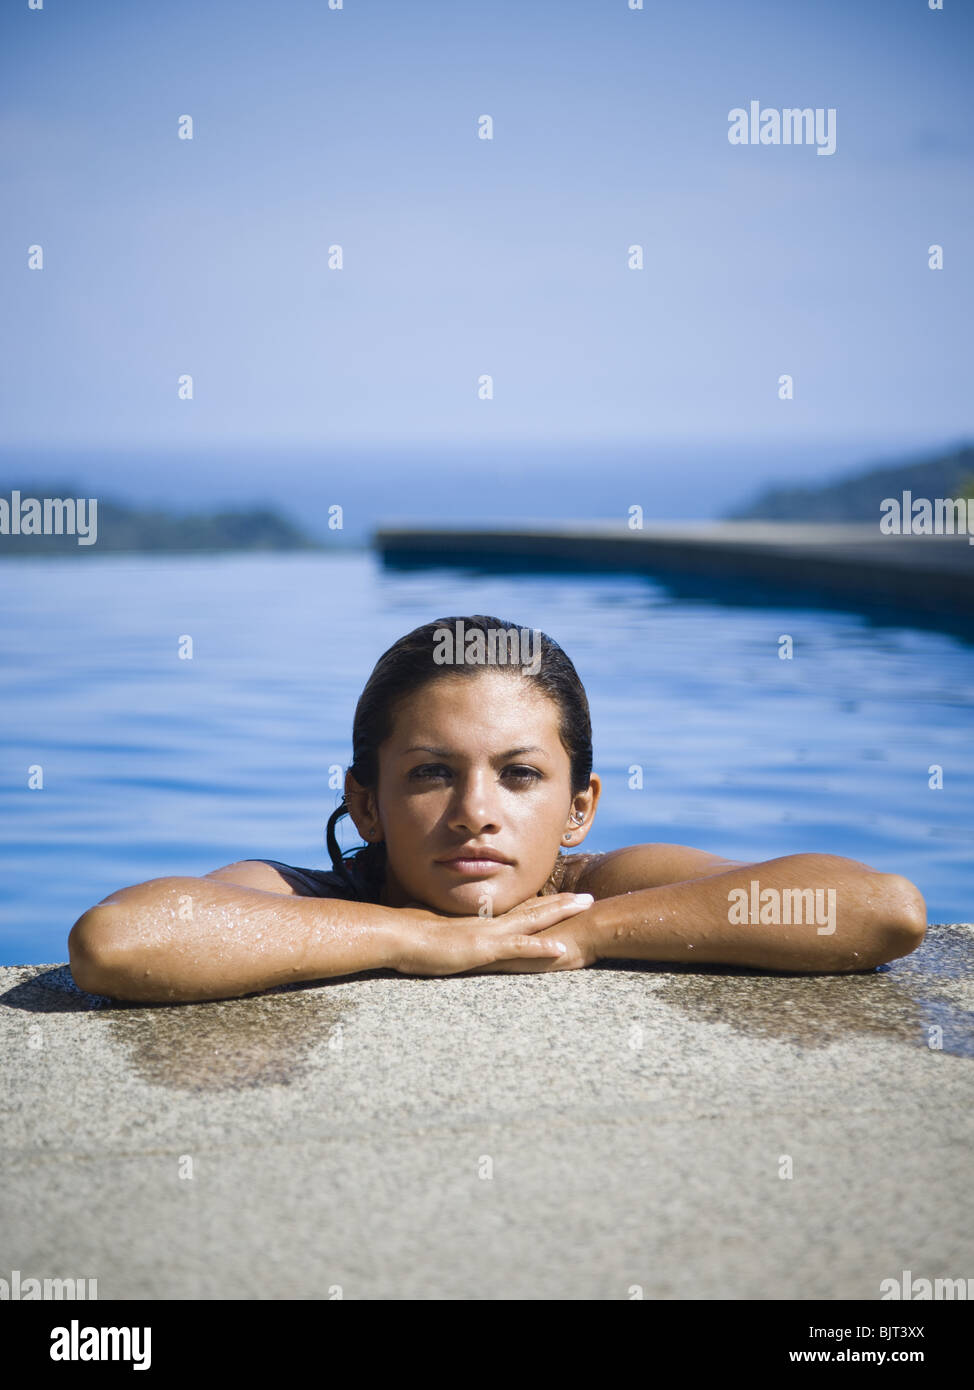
column 154, row 765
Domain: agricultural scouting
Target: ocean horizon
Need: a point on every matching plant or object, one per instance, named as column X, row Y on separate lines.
column 449, row 484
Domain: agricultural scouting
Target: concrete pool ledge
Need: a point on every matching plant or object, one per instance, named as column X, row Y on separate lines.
column 573, row 1135
column 845, row 560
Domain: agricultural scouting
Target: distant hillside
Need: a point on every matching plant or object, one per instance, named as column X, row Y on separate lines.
column 858, row 497
column 124, row 528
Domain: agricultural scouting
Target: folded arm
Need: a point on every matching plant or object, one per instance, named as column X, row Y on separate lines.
column 800, row 912
column 246, row 928
column 236, row 931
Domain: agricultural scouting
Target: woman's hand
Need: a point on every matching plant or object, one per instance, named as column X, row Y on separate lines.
column 528, row 937
column 578, row 938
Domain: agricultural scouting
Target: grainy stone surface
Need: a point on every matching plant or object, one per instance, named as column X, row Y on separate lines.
column 572, row 1135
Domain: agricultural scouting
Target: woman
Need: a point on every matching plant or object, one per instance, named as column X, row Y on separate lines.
column 472, row 768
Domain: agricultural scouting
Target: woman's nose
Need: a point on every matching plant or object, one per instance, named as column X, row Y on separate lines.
column 474, row 807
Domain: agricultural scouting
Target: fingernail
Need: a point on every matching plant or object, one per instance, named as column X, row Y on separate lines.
column 560, row 947
column 585, row 898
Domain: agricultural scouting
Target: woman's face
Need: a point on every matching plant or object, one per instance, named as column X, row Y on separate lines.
column 473, row 763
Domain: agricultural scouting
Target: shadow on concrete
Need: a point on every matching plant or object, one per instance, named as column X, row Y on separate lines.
column 269, row 1038
column 218, row 1045
column 907, row 1000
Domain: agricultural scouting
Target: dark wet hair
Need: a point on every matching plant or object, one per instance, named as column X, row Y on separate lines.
column 408, row 665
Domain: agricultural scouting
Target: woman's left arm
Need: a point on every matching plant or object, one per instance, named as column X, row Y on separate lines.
column 801, row 912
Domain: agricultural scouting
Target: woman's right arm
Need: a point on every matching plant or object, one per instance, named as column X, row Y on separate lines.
column 174, row 940
column 183, row 939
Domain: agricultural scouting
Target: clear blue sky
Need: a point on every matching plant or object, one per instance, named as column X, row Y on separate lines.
column 465, row 256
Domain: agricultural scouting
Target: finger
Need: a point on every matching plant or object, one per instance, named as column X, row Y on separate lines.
column 538, row 946
column 535, row 917
column 525, row 953
column 510, row 948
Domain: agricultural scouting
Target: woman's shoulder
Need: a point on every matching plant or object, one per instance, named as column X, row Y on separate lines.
column 568, row 875
column 316, row 883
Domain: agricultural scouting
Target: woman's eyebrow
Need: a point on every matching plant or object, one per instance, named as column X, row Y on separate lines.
column 449, row 753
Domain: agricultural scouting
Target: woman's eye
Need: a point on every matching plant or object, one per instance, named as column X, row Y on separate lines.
column 430, row 771
column 524, row 774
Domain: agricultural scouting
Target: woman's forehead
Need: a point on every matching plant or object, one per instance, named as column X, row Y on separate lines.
column 468, row 711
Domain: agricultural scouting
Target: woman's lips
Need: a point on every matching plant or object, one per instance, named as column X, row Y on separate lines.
column 472, row 868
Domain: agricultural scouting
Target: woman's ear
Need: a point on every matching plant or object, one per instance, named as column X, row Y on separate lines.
column 362, row 809
column 582, row 814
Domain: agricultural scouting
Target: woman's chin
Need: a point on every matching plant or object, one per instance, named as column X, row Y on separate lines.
column 474, row 899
